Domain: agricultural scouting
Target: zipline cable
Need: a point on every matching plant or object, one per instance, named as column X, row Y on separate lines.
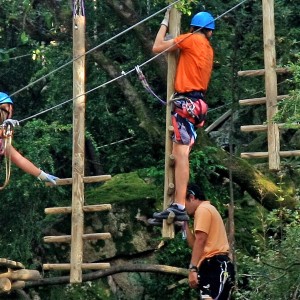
column 123, row 74
column 93, row 49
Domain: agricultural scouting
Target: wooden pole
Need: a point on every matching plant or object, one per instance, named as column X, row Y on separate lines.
column 78, row 141
column 271, row 83
column 174, row 30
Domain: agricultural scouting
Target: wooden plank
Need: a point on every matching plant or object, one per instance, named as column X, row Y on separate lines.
column 78, row 142
column 262, row 100
column 86, row 208
column 271, row 83
column 22, row 274
column 18, row 285
column 253, row 128
column 86, row 179
column 174, row 30
column 11, row 264
column 220, row 120
column 261, row 72
column 5, row 285
column 85, row 237
column 85, row 266
column 257, row 128
column 292, row 153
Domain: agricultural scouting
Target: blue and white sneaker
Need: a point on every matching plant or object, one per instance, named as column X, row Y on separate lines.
column 180, row 214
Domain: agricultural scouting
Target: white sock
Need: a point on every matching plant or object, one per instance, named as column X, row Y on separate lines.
column 180, row 206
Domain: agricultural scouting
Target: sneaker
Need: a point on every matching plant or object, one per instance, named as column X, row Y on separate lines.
column 180, row 214
column 159, row 222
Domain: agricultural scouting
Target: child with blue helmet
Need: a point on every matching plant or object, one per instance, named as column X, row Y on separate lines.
column 6, row 111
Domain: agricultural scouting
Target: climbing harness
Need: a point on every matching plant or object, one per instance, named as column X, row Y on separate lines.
column 5, row 147
column 145, row 84
column 193, row 110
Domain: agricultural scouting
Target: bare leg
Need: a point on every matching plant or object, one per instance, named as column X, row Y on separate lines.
column 182, row 171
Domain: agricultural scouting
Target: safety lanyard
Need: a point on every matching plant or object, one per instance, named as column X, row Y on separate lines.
column 7, row 138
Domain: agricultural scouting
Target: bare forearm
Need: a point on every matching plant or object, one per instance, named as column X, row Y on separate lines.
column 23, row 163
column 198, row 248
column 161, row 44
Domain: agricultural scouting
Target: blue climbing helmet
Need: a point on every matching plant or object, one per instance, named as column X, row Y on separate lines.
column 204, row 20
column 4, row 98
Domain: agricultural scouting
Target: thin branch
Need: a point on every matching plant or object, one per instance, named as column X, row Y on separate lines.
column 111, row 271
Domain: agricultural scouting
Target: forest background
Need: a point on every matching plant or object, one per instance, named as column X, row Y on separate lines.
column 125, row 125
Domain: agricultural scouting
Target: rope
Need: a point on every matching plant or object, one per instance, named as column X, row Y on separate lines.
column 123, row 74
column 146, row 85
column 7, row 138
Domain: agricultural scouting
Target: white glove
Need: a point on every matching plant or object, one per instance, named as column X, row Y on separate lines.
column 11, row 122
column 165, row 21
column 47, row 177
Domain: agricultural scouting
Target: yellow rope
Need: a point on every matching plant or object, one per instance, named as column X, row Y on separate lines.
column 7, row 138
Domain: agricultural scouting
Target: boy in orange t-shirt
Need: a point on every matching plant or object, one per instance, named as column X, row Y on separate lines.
column 211, row 270
column 191, row 82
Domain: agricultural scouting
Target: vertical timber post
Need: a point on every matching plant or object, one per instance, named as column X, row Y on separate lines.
column 78, row 141
column 271, row 83
column 174, row 30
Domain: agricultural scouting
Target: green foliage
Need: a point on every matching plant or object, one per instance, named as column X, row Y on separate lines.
column 204, row 171
column 175, row 253
column 289, row 109
column 274, row 272
column 88, row 290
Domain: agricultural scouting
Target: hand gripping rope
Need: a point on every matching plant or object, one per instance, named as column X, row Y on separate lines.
column 6, row 139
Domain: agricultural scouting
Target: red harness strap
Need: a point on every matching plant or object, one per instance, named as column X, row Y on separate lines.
column 194, row 111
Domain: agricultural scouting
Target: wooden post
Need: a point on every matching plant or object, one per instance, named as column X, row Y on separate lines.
column 271, row 83
column 174, row 30
column 78, row 141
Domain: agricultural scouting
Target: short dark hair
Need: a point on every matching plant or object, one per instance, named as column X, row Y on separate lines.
column 194, row 189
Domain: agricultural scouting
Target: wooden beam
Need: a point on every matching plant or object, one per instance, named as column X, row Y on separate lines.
column 85, row 237
column 261, row 72
column 18, row 285
column 68, row 209
column 78, row 141
column 11, row 264
column 85, row 266
column 292, row 153
column 174, row 30
column 262, row 100
column 271, row 83
column 86, row 179
column 21, row 274
column 254, row 128
column 251, row 128
column 220, row 120
column 5, row 285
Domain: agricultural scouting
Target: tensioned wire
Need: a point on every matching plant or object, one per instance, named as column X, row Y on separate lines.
column 123, row 74
column 91, row 50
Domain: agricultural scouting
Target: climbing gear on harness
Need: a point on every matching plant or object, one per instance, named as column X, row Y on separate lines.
column 11, row 122
column 193, row 110
column 203, row 19
column 5, row 140
column 146, row 85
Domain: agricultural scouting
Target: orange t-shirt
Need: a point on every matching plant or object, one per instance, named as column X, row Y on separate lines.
column 208, row 220
column 195, row 63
